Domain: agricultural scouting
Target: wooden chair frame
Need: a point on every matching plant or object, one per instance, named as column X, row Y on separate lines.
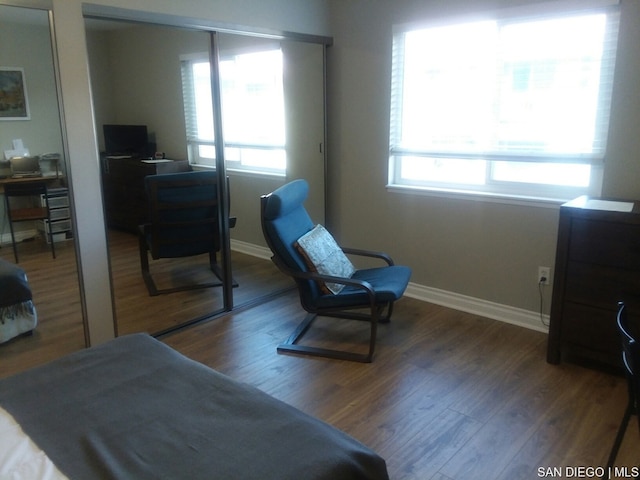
column 156, row 224
column 28, row 189
column 376, row 311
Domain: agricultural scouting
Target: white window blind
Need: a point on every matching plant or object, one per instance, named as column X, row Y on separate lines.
column 515, row 106
column 252, row 110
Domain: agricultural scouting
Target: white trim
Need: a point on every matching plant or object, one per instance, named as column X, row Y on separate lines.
column 540, row 202
column 20, row 235
column 251, row 249
column 555, row 7
column 477, row 306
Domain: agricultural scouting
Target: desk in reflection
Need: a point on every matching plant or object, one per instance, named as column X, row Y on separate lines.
column 59, row 205
column 53, row 180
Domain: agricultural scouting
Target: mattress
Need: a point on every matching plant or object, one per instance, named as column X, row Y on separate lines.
column 135, row 408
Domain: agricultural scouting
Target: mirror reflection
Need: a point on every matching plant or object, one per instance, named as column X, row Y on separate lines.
column 40, row 305
column 154, row 116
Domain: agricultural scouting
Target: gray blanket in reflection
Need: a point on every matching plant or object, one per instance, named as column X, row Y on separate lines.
column 14, row 287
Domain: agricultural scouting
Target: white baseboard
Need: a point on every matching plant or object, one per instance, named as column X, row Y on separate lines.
column 476, row 306
column 251, row 249
column 5, row 239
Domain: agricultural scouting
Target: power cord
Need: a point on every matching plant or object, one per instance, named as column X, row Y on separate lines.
column 541, row 285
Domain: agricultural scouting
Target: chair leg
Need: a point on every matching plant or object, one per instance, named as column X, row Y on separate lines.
column 386, row 318
column 213, row 261
column 375, row 319
column 13, row 241
column 7, row 209
column 217, row 271
column 53, row 246
column 144, row 267
column 151, row 284
column 291, row 344
column 620, row 435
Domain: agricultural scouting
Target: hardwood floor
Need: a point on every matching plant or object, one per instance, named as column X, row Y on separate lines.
column 54, row 283
column 56, row 295
column 449, row 396
column 136, row 311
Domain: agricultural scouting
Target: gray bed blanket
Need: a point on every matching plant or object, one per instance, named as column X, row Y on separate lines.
column 134, row 408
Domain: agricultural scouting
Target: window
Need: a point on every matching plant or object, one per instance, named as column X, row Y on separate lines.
column 253, row 111
column 511, row 107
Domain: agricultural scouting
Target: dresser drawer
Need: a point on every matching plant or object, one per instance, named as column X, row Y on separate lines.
column 601, row 286
column 605, row 243
column 597, row 266
column 591, row 328
column 59, row 213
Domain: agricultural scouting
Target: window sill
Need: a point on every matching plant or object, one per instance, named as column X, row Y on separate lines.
column 240, row 172
column 507, row 199
column 254, row 173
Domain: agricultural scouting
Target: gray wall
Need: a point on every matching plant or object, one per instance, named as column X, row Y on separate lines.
column 41, row 134
column 475, row 248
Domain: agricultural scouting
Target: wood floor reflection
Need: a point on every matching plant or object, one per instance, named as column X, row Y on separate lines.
column 56, row 295
column 136, row 311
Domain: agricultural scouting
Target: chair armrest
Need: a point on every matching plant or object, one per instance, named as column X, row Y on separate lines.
column 366, row 286
column 369, row 253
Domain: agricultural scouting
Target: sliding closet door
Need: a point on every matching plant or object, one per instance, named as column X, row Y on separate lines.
column 33, row 124
column 138, row 74
column 286, row 139
column 305, row 105
column 272, row 131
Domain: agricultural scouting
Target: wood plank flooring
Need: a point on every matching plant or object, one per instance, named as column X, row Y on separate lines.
column 449, row 396
column 56, row 294
column 137, row 312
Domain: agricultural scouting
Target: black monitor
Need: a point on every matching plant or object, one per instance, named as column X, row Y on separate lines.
column 126, row 140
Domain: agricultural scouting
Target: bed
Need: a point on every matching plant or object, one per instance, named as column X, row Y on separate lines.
column 17, row 312
column 135, row 408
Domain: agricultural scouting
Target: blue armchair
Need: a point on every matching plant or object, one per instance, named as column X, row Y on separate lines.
column 285, row 224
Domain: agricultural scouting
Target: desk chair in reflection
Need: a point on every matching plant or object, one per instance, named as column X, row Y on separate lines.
column 183, row 222
column 24, row 203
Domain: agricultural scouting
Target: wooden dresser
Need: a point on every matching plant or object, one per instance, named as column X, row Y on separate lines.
column 597, row 265
column 123, row 185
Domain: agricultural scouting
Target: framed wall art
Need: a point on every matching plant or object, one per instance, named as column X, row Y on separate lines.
column 14, row 103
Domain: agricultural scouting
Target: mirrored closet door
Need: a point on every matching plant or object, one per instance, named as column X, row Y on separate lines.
column 272, row 108
column 31, row 127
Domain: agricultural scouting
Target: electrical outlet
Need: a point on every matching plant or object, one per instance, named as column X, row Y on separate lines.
column 544, row 272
